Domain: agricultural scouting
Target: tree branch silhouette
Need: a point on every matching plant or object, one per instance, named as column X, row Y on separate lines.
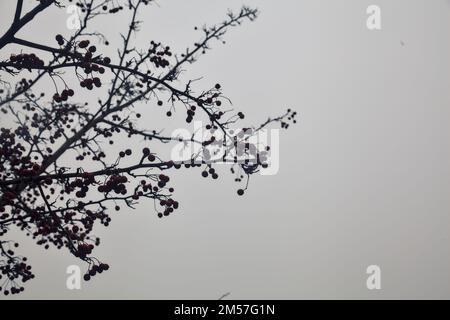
column 59, row 175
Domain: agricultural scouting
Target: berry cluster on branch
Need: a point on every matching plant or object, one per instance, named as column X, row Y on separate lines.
column 57, row 201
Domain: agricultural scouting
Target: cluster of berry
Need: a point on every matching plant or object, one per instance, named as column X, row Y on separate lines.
column 115, row 183
column 158, row 53
column 96, row 268
column 14, row 269
column 27, row 61
column 64, row 96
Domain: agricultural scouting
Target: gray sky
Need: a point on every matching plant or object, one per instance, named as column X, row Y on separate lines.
column 364, row 176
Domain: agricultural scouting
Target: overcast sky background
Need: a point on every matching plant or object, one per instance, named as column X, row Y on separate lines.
column 364, row 176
